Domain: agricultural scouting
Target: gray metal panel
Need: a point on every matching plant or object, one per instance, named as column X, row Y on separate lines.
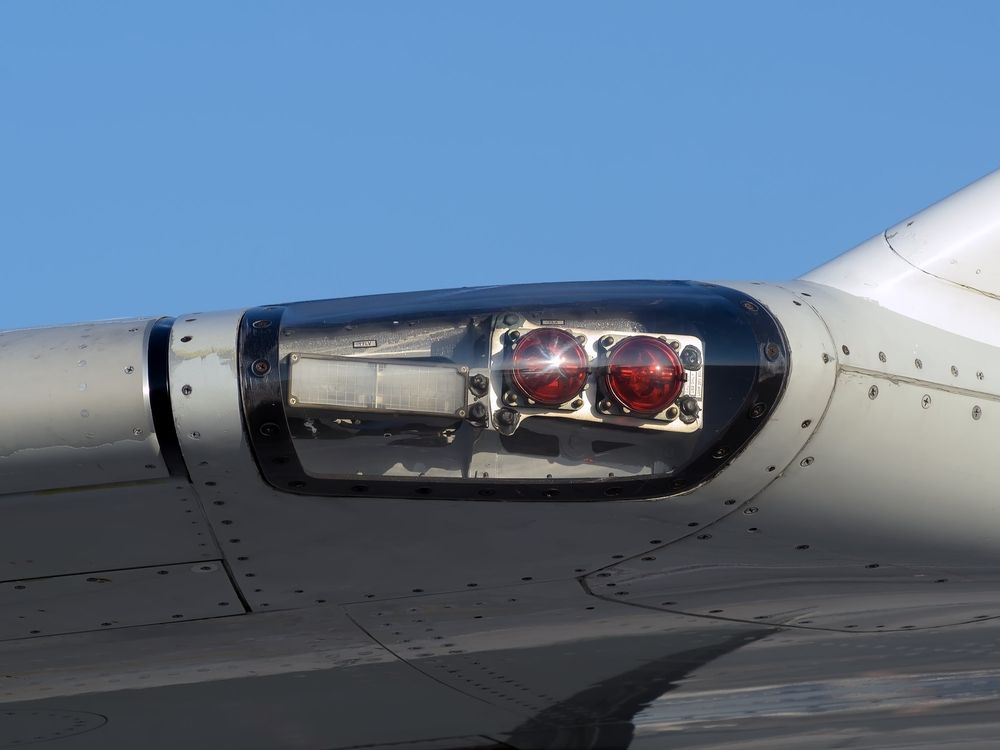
column 115, row 599
column 74, row 409
column 102, row 528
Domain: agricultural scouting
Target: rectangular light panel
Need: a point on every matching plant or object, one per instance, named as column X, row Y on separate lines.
column 371, row 385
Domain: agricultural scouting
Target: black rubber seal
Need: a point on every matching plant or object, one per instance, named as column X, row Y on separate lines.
column 158, row 374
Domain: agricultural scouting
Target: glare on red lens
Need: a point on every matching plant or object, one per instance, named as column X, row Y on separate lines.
column 644, row 374
column 549, row 366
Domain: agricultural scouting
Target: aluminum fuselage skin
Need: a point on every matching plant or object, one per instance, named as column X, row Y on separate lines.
column 157, row 591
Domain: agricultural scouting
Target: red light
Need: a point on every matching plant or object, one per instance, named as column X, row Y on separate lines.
column 549, row 366
column 644, row 374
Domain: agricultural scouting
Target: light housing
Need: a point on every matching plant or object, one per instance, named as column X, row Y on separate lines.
column 644, row 374
column 549, row 366
column 421, row 395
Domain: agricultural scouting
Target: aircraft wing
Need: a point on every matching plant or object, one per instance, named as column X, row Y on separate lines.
column 730, row 515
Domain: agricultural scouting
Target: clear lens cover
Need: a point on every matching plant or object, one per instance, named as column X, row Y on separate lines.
column 569, row 391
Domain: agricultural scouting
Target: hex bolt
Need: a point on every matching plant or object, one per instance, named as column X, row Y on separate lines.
column 514, row 335
column 689, row 406
column 607, row 341
column 977, row 412
column 691, row 358
column 260, row 367
column 873, row 392
column 479, row 384
column 506, row 417
column 576, row 403
column 926, row 401
column 477, row 412
column 605, row 405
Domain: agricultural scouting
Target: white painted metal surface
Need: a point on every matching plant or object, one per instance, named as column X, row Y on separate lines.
column 115, row 599
column 956, row 239
column 74, row 407
column 102, row 528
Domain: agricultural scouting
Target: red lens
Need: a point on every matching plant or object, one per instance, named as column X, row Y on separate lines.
column 644, row 374
column 549, row 366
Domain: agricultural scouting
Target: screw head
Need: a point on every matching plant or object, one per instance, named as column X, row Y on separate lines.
column 977, row 412
column 506, row 417
column 873, row 392
column 757, row 410
column 720, row 452
column 881, row 357
column 269, row 429
column 129, row 370
column 807, row 461
column 262, row 324
column 260, row 367
column 749, row 306
column 186, row 390
column 772, row 350
column 925, row 401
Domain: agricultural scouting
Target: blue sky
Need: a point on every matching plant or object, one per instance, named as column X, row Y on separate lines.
column 175, row 157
